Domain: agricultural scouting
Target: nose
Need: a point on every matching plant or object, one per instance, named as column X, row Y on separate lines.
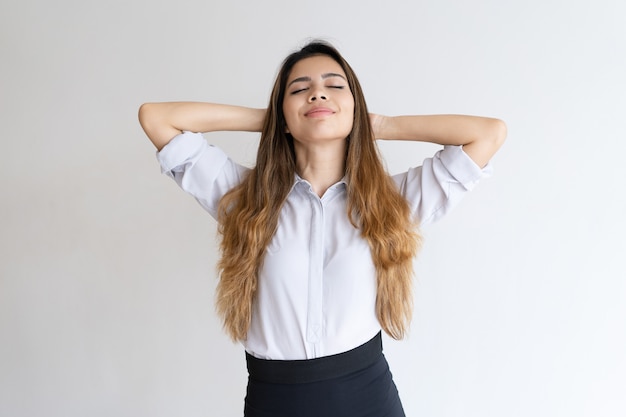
column 316, row 95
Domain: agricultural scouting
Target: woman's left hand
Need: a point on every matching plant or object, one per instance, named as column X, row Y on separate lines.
column 378, row 122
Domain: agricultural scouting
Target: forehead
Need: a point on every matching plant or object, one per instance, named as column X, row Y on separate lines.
column 315, row 67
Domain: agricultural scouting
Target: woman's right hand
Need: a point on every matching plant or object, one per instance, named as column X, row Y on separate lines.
column 163, row 121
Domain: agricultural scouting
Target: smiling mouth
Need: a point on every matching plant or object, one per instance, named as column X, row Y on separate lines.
column 319, row 112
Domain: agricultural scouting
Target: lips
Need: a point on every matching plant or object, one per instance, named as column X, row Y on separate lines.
column 319, row 112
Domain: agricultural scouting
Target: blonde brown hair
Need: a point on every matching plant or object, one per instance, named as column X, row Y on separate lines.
column 248, row 214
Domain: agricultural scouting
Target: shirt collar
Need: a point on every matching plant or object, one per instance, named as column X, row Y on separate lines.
column 301, row 182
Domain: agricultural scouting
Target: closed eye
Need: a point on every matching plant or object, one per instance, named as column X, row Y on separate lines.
column 298, row 91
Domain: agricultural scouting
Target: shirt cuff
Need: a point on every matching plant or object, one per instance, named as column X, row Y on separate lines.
column 179, row 150
column 462, row 167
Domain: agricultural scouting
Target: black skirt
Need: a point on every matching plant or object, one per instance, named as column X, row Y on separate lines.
column 356, row 383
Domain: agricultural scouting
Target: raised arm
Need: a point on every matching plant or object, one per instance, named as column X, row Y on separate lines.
column 481, row 137
column 163, row 121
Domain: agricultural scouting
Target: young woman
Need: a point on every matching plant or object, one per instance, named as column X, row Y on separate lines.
column 317, row 239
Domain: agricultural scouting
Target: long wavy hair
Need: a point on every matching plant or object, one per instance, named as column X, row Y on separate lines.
column 248, row 214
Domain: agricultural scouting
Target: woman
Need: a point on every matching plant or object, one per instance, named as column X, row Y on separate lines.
column 317, row 239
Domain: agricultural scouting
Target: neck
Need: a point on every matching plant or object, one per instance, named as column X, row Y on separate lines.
column 321, row 166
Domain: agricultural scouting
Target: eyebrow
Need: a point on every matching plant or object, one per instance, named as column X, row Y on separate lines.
column 324, row 76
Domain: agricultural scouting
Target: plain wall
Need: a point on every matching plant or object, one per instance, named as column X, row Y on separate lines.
column 107, row 269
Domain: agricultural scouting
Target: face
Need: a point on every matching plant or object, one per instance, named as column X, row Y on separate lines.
column 318, row 104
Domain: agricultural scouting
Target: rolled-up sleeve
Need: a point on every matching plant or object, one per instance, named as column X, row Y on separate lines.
column 434, row 188
column 200, row 169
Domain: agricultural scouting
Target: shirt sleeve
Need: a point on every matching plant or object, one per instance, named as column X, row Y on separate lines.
column 437, row 186
column 200, row 169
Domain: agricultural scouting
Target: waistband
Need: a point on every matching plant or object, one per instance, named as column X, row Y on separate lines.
column 318, row 369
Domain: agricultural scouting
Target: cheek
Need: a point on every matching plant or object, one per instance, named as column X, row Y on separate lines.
column 351, row 108
column 349, row 102
column 287, row 122
column 289, row 109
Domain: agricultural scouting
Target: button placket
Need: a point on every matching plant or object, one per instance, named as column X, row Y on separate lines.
column 316, row 263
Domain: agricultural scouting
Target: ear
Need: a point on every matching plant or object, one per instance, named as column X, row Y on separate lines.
column 287, row 129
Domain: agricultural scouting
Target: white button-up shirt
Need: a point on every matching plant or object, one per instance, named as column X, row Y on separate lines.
column 316, row 291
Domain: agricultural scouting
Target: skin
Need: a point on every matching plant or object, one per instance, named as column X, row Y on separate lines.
column 319, row 111
column 481, row 137
column 319, row 138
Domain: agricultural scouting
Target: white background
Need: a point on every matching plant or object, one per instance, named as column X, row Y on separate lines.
column 107, row 269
